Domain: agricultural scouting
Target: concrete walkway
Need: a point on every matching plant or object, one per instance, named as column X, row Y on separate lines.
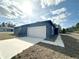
column 58, row 42
column 11, row 47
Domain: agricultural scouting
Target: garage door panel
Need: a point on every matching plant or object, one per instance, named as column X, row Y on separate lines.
column 39, row 31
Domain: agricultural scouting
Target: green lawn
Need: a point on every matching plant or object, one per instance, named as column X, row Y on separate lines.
column 6, row 35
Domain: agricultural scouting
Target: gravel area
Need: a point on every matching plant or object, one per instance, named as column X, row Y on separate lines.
column 47, row 51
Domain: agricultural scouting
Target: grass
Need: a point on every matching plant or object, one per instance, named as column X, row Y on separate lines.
column 6, row 35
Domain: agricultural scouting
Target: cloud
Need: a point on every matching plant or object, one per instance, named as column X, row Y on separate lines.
column 59, row 11
column 50, row 2
column 11, row 9
column 3, row 10
column 58, row 1
column 41, row 11
column 56, row 19
column 57, row 16
column 8, row 9
column 46, row 13
column 60, row 16
column 41, row 14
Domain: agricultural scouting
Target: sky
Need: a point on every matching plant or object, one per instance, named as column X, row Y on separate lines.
column 19, row 12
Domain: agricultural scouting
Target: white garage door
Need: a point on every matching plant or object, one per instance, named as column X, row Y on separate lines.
column 39, row 31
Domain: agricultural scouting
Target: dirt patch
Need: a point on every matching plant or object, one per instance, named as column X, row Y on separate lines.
column 47, row 51
column 71, row 45
column 44, row 51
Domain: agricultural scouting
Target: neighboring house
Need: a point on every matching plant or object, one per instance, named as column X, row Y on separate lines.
column 6, row 29
column 43, row 29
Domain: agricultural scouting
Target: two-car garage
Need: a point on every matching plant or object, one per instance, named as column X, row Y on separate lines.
column 44, row 30
column 39, row 32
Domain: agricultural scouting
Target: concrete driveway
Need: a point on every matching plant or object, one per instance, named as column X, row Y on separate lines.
column 11, row 47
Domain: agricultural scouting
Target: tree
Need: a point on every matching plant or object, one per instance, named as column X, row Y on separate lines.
column 3, row 24
column 77, row 27
column 64, row 30
column 7, row 25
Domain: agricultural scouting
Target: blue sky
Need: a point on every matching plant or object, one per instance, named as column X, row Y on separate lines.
column 73, row 8
column 63, row 12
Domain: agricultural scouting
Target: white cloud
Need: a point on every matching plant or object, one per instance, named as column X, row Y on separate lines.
column 60, row 18
column 8, row 9
column 58, row 1
column 50, row 2
column 12, row 10
column 3, row 10
column 42, row 17
column 59, row 11
column 58, row 15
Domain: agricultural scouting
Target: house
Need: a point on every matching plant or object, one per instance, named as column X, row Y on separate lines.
column 43, row 29
column 6, row 29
